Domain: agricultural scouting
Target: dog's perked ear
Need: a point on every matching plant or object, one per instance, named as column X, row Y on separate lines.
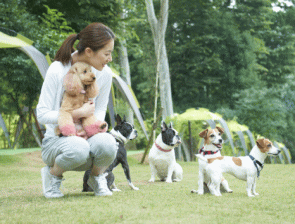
column 118, row 119
column 203, row 134
column 164, row 126
column 221, row 130
column 72, row 83
column 170, row 125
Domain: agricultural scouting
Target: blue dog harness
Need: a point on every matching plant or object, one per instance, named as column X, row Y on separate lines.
column 255, row 161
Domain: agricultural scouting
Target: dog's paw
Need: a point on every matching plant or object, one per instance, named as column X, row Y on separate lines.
column 68, row 130
column 97, row 127
column 133, row 187
column 169, row 181
column 200, row 192
column 194, row 191
column 152, row 180
column 116, row 189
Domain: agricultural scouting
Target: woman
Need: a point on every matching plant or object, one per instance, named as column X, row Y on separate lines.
column 61, row 154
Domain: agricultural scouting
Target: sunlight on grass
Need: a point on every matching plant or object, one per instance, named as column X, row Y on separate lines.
column 21, row 198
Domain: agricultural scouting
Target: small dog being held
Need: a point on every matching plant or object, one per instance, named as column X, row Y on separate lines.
column 244, row 167
column 122, row 132
column 212, row 146
column 162, row 157
column 80, row 86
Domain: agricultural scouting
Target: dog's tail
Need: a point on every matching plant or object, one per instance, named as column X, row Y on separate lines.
column 201, row 157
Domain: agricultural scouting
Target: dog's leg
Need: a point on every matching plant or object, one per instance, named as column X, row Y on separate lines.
column 114, row 187
column 127, row 174
column 215, row 181
column 250, row 183
column 225, row 185
column 254, row 187
column 153, row 172
column 66, row 124
column 201, row 182
column 169, row 174
column 177, row 173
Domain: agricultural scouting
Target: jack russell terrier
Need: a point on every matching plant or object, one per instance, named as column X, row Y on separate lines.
column 244, row 167
column 211, row 150
column 162, row 157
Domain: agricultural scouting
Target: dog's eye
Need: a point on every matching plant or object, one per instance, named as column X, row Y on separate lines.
column 85, row 71
column 212, row 136
column 269, row 145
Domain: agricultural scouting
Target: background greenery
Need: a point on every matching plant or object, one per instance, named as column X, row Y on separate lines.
column 237, row 61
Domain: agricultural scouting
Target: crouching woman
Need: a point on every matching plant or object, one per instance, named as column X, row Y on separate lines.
column 77, row 153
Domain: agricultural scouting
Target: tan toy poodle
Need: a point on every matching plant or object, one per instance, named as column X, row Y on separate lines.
column 80, row 86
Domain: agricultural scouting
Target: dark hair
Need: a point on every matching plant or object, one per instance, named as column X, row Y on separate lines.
column 95, row 36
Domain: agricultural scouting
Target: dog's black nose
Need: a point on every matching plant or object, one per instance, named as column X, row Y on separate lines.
column 94, row 78
column 220, row 140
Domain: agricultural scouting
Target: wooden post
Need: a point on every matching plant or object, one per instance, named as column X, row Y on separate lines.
column 147, row 149
column 190, row 141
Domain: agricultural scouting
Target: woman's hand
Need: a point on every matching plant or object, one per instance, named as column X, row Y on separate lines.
column 86, row 110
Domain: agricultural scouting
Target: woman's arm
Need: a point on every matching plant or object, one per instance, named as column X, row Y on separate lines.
column 47, row 100
column 101, row 101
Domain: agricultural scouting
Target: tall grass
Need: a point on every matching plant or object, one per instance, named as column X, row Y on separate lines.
column 21, row 199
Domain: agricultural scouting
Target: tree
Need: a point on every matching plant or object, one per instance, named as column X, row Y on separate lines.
column 158, row 27
column 210, row 58
column 22, row 79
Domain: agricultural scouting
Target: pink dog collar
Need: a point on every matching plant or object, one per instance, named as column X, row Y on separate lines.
column 161, row 149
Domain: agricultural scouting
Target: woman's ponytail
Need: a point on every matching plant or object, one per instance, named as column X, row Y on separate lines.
column 67, row 48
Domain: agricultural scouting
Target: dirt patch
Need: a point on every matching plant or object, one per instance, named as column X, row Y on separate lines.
column 31, row 161
column 139, row 156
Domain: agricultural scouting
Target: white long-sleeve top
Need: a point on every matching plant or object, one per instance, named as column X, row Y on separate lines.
column 52, row 92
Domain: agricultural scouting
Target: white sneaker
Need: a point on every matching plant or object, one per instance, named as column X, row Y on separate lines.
column 99, row 185
column 50, row 184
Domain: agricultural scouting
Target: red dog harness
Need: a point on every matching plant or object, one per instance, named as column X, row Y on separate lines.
column 208, row 152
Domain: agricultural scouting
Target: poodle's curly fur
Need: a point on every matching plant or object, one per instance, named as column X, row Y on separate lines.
column 80, row 86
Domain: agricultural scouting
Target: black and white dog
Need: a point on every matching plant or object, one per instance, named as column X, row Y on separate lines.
column 162, row 157
column 123, row 132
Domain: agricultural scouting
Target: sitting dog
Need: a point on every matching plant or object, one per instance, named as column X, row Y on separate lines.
column 212, row 146
column 244, row 167
column 162, row 157
column 80, row 86
column 122, row 132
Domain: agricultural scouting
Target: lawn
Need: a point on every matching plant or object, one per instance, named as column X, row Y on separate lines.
column 21, row 199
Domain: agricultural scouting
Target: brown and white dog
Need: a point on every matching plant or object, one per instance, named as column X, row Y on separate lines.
column 211, row 150
column 244, row 167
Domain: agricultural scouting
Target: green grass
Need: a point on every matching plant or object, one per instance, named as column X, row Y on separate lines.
column 21, row 199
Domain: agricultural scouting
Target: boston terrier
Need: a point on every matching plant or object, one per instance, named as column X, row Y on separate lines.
column 123, row 132
column 162, row 157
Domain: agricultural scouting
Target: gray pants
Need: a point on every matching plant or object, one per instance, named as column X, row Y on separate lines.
column 77, row 154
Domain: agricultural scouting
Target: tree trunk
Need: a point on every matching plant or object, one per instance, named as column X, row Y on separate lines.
column 158, row 28
column 124, row 65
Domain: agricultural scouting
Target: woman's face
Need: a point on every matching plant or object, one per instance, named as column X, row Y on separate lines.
column 103, row 56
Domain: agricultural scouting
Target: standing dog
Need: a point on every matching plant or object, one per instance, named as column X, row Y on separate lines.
column 244, row 167
column 212, row 146
column 162, row 157
column 123, row 132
